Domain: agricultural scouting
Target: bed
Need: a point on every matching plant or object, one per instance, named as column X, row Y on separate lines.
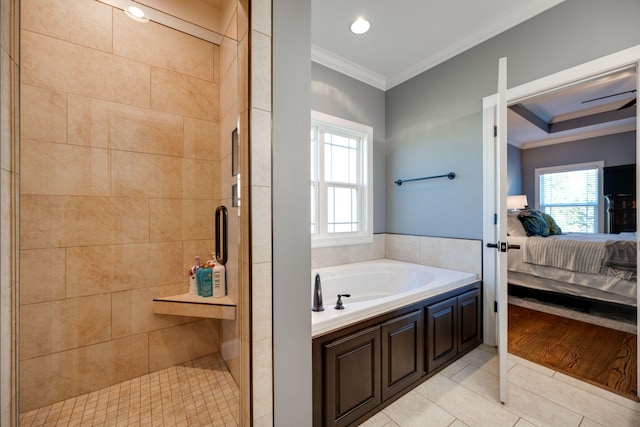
column 594, row 266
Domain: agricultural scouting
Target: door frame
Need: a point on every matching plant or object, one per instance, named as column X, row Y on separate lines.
column 624, row 58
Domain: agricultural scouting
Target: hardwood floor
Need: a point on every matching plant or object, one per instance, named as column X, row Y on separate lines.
column 592, row 353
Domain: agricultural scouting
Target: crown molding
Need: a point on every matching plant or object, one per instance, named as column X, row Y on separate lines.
column 502, row 23
column 344, row 66
column 627, row 126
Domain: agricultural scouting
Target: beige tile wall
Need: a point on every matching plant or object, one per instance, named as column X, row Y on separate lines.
column 261, row 265
column 236, row 348
column 245, row 310
column 230, row 109
column 9, row 173
column 455, row 254
column 337, row 255
column 123, row 145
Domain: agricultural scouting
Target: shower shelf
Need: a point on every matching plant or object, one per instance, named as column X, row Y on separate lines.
column 195, row 306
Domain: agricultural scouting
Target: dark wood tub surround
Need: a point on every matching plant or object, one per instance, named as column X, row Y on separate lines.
column 360, row 369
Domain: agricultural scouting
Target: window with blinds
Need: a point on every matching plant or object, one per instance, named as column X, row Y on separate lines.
column 341, row 190
column 571, row 194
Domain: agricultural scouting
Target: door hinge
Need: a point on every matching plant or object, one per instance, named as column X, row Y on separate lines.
column 495, row 131
column 495, row 219
column 495, row 306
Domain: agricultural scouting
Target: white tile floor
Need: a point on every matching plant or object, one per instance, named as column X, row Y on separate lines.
column 466, row 394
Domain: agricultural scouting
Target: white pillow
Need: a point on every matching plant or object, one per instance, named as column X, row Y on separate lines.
column 514, row 225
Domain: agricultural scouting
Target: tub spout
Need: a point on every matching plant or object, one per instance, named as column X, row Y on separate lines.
column 317, row 295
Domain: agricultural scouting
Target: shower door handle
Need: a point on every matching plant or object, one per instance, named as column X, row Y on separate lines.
column 221, row 233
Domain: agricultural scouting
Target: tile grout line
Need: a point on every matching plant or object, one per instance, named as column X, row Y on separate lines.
column 165, row 395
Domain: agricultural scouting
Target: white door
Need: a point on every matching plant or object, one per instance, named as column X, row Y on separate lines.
column 494, row 256
column 494, row 221
column 501, row 223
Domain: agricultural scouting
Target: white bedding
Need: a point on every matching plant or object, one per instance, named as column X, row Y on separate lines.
column 594, row 286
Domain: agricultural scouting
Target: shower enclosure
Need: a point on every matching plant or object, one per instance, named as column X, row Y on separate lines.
column 126, row 149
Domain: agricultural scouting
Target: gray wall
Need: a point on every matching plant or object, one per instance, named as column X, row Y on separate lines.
column 514, row 170
column 291, row 59
column 434, row 121
column 615, row 150
column 433, row 125
column 341, row 96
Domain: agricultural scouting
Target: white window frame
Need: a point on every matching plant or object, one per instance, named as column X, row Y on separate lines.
column 323, row 238
column 575, row 167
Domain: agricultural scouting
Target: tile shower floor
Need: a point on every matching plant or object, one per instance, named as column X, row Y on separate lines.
column 196, row 393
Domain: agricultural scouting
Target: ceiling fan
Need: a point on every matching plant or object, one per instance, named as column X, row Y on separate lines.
column 627, row 105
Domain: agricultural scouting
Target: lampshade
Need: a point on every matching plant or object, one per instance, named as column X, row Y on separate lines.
column 517, row 202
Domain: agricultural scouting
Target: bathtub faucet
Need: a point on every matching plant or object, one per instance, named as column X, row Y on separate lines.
column 317, row 295
column 339, row 305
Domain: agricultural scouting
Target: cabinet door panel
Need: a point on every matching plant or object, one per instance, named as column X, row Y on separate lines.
column 352, row 376
column 469, row 306
column 442, row 337
column 402, row 353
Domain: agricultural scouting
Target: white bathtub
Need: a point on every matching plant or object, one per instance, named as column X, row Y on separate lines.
column 377, row 287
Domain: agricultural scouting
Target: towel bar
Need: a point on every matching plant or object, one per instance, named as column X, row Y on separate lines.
column 450, row 175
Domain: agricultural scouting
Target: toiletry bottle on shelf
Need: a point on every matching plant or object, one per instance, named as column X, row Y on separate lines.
column 193, row 281
column 219, row 281
column 205, row 279
column 205, row 282
column 219, row 277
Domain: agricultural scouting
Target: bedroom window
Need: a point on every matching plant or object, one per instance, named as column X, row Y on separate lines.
column 341, row 181
column 571, row 194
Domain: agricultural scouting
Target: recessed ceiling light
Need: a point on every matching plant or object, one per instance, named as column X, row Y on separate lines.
column 136, row 14
column 360, row 26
